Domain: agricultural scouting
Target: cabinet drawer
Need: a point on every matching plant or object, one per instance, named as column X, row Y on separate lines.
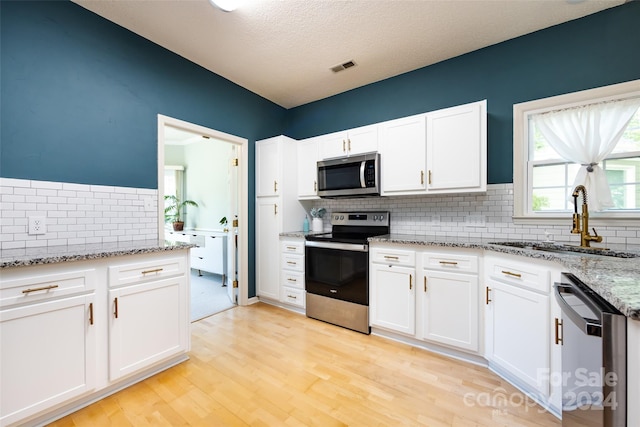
column 518, row 273
column 290, row 247
column 450, row 262
column 393, row 256
column 195, row 239
column 198, row 252
column 292, row 262
column 125, row 274
column 292, row 296
column 47, row 286
column 198, row 262
column 293, row 279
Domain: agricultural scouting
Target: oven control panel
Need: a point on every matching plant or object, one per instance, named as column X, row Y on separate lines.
column 378, row 218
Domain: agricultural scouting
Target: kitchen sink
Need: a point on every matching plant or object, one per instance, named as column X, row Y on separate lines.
column 566, row 249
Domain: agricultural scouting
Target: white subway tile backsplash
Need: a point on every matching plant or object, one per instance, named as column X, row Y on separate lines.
column 446, row 216
column 46, row 184
column 73, row 187
column 76, row 213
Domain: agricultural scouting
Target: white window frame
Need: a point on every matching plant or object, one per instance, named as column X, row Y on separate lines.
column 521, row 174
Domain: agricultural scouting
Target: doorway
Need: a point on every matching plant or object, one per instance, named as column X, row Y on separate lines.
column 235, row 230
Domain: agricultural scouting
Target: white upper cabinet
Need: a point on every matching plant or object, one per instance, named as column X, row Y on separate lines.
column 347, row 143
column 268, row 176
column 457, row 149
column 444, row 151
column 307, row 168
column 403, row 155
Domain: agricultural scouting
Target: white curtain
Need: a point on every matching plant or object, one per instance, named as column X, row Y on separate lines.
column 587, row 135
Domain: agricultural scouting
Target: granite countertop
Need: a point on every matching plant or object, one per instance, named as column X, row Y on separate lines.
column 616, row 279
column 300, row 234
column 56, row 254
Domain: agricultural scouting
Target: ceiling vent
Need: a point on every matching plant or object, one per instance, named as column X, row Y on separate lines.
column 343, row 66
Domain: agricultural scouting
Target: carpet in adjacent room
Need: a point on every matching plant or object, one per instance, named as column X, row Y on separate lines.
column 208, row 296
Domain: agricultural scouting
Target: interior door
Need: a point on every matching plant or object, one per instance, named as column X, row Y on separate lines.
column 232, row 234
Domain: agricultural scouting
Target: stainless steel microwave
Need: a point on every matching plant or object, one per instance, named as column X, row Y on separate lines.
column 353, row 176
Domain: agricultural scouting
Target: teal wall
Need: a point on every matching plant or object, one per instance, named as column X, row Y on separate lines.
column 597, row 50
column 80, row 97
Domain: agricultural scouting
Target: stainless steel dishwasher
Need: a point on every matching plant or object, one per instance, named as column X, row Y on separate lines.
column 594, row 357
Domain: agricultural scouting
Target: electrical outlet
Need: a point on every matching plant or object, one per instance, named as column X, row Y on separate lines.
column 148, row 204
column 37, row 225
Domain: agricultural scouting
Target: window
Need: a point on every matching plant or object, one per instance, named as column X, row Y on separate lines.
column 543, row 179
column 173, row 182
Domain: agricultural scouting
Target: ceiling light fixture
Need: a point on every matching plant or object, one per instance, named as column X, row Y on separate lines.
column 226, row 5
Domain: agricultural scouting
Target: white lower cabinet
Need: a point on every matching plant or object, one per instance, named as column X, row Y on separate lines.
column 435, row 296
column 425, row 294
column 433, row 299
column 392, row 298
column 292, row 290
column 63, row 344
column 449, row 304
column 148, row 323
column 519, row 323
column 47, row 357
column 519, row 313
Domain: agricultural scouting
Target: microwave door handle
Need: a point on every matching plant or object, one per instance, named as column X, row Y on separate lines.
column 363, row 184
column 585, row 325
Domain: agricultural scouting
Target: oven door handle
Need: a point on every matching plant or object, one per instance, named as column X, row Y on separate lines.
column 340, row 246
column 588, row 326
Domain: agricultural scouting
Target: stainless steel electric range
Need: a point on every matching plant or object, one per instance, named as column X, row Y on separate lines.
column 337, row 269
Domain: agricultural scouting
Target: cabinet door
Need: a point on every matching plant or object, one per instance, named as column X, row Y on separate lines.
column 148, row 323
column 268, row 167
column 362, row 140
column 48, row 355
column 519, row 323
column 555, row 384
column 450, row 309
column 333, row 145
column 307, row 169
column 403, row 156
column 268, row 247
column 392, row 298
column 456, row 149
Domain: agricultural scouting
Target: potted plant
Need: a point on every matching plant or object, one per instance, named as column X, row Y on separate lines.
column 173, row 211
column 317, row 214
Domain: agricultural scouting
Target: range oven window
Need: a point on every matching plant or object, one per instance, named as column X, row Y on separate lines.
column 335, row 273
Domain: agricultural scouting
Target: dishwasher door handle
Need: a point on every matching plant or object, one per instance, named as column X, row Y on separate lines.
column 588, row 326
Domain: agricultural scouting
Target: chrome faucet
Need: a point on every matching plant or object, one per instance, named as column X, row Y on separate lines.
column 581, row 222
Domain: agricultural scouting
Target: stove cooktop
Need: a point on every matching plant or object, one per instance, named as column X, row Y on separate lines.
column 354, row 227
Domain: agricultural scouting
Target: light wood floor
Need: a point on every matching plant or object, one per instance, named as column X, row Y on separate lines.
column 265, row 366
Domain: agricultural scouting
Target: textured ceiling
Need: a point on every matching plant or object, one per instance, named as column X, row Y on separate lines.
column 283, row 49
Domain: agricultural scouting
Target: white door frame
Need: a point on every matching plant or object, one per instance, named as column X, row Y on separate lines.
column 243, row 191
